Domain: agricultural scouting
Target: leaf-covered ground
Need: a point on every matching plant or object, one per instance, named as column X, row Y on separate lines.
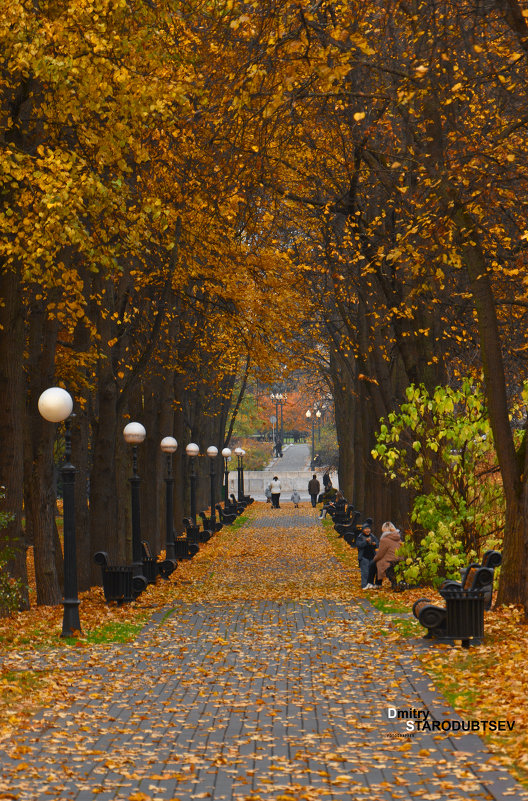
column 264, row 674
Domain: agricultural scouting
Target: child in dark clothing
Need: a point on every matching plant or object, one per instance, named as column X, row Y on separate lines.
column 367, row 545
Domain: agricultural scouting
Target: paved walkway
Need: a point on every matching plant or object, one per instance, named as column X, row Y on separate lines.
column 294, row 457
column 270, row 698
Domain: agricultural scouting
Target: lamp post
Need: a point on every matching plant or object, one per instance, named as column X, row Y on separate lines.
column 212, row 453
column 226, row 453
column 318, row 415
column 242, row 473
column 55, row 405
column 134, row 434
column 273, row 420
column 239, row 452
column 168, row 446
column 279, row 400
column 275, row 399
column 310, row 418
column 192, row 450
column 282, row 401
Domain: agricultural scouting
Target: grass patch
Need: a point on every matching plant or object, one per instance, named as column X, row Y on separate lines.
column 384, row 605
column 408, row 627
column 116, row 631
column 456, row 694
column 36, row 636
column 487, row 683
column 14, row 683
column 239, row 522
column 461, row 691
column 167, row 615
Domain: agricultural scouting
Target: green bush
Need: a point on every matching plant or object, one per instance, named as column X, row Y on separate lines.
column 326, row 447
column 258, row 454
column 437, row 556
column 440, row 446
column 10, row 588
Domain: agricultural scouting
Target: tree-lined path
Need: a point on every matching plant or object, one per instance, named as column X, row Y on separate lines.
column 265, row 678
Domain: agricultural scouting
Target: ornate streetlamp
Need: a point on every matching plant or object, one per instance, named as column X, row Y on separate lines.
column 310, row 418
column 279, row 400
column 55, row 405
column 242, row 474
column 168, row 446
column 226, row 453
column 134, row 434
column 212, row 453
column 239, row 454
column 192, row 450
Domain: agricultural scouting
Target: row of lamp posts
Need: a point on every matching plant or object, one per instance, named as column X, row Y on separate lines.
column 279, row 399
column 312, row 417
column 56, row 406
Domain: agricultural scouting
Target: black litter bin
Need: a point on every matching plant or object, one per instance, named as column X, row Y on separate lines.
column 465, row 615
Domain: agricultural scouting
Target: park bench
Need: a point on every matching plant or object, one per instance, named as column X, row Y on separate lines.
column 184, row 548
column 348, row 527
column 119, row 583
column 193, row 532
column 463, row 616
column 152, row 568
column 235, row 506
column 226, row 517
column 327, row 496
column 342, row 515
column 491, row 559
column 209, row 524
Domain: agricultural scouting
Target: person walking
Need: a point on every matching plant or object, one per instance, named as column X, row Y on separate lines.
column 314, row 488
column 327, row 482
column 296, row 499
column 275, row 488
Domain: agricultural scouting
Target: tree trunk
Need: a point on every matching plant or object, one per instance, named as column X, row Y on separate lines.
column 166, row 429
column 103, row 486
column 513, row 586
column 12, row 411
column 80, row 458
column 151, row 462
column 39, row 474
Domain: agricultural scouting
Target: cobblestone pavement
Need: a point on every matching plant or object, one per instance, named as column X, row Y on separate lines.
column 263, row 699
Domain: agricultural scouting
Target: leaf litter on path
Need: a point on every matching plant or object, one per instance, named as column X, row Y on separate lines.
column 265, row 678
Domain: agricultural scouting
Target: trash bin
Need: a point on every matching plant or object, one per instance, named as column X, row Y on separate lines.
column 465, row 615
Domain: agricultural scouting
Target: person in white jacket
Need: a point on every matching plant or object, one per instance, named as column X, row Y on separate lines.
column 275, row 487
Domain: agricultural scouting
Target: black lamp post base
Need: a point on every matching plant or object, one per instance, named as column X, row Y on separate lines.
column 71, row 624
